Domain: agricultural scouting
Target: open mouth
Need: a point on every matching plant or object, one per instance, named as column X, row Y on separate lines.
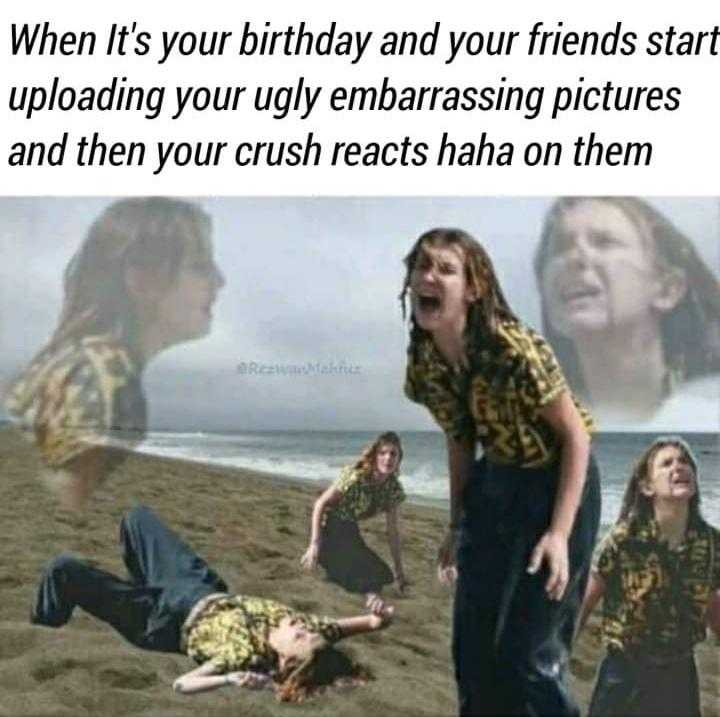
column 579, row 293
column 429, row 303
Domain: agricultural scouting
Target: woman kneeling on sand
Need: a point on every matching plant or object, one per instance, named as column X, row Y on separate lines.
column 174, row 602
column 369, row 487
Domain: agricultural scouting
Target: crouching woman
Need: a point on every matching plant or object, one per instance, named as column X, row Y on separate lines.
column 369, row 487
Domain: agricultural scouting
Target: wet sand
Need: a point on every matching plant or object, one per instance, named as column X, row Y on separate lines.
column 252, row 528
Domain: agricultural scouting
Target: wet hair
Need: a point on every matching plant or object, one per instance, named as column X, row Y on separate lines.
column 690, row 331
column 491, row 307
column 366, row 462
column 636, row 506
column 149, row 232
column 326, row 668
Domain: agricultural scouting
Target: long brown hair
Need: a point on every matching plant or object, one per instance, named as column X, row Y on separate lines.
column 690, row 331
column 491, row 307
column 637, row 506
column 151, row 232
column 325, row 669
column 366, row 463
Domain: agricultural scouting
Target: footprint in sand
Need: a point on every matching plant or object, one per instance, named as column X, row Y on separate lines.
column 10, row 581
column 198, row 527
column 414, row 648
column 269, row 553
column 128, row 678
column 280, row 572
column 255, row 551
column 73, row 520
column 16, row 641
column 50, row 669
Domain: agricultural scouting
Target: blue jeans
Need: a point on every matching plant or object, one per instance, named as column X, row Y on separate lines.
column 166, row 579
column 511, row 643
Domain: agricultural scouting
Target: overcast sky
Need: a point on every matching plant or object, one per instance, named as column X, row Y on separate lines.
column 308, row 280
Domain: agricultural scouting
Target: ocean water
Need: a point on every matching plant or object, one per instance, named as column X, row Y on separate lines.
column 318, row 456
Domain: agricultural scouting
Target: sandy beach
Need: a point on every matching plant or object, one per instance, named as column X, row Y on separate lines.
column 252, row 528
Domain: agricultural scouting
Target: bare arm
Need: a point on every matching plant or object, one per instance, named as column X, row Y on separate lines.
column 360, row 624
column 329, row 497
column 87, row 470
column 564, row 418
column 205, row 678
column 461, row 456
column 200, row 679
column 393, row 533
column 594, row 591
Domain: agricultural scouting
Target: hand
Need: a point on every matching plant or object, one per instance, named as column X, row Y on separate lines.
column 249, row 679
column 446, row 571
column 375, row 603
column 553, row 549
column 378, row 621
column 309, row 560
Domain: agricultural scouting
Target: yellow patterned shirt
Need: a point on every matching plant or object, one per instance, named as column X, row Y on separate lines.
column 232, row 633
column 81, row 394
column 655, row 597
column 361, row 497
column 497, row 400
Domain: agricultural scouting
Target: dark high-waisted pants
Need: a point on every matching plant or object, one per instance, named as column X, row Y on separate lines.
column 511, row 643
column 166, row 579
column 349, row 561
column 628, row 687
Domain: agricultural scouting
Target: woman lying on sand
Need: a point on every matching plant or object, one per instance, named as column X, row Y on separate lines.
column 369, row 487
column 657, row 571
column 174, row 602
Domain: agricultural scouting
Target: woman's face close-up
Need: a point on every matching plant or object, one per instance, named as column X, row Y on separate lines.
column 671, row 475
column 601, row 274
column 387, row 459
column 439, row 290
column 184, row 308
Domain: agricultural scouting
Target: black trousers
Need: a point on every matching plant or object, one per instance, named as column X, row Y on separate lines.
column 166, row 579
column 511, row 643
column 347, row 559
column 627, row 687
